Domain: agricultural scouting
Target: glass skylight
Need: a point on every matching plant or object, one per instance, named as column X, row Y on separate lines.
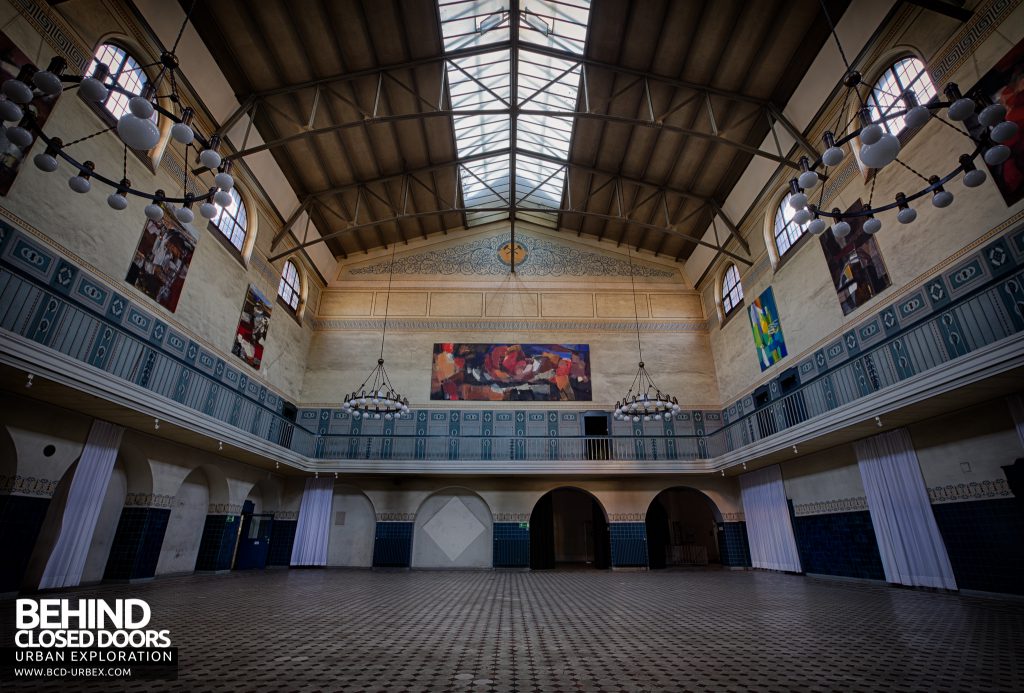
column 480, row 90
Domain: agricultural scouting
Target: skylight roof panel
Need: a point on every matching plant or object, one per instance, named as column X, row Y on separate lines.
column 469, row 23
column 555, row 23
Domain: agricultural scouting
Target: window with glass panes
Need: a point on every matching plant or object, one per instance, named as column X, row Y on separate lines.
column 732, row 290
column 886, row 95
column 787, row 231
column 124, row 71
column 231, row 220
column 289, row 289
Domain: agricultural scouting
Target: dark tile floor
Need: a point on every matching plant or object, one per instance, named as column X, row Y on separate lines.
column 572, row 631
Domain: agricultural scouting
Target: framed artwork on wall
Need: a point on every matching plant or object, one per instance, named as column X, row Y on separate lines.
column 1004, row 84
column 856, row 265
column 764, row 322
column 161, row 260
column 511, row 372
column 11, row 155
column 253, row 325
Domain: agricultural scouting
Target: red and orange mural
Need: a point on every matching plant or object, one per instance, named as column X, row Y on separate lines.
column 511, row 372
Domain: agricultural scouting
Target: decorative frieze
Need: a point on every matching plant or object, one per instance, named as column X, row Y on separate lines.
column 18, row 485
column 435, row 325
column 975, row 490
column 512, row 517
column 733, row 517
column 286, row 514
column 396, row 517
column 148, row 500
column 626, row 517
column 829, row 507
column 225, row 509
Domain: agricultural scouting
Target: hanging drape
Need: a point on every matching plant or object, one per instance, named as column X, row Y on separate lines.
column 85, row 499
column 769, row 530
column 1016, row 404
column 313, row 527
column 909, row 542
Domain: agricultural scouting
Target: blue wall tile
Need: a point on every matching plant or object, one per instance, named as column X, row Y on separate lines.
column 136, row 547
column 629, row 543
column 511, row 545
column 732, row 544
column 838, row 544
column 282, row 537
column 392, row 545
column 985, row 543
column 217, row 546
column 21, row 518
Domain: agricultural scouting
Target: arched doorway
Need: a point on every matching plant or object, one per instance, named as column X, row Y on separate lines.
column 454, row 529
column 569, row 528
column 682, row 529
column 185, row 525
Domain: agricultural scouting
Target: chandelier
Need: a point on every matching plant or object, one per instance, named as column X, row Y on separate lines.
column 136, row 129
column 645, row 400
column 377, row 398
column 986, row 129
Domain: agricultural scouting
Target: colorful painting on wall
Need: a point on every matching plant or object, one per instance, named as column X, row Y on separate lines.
column 856, row 265
column 11, row 155
column 511, row 372
column 161, row 261
column 252, row 328
column 764, row 321
column 1004, row 84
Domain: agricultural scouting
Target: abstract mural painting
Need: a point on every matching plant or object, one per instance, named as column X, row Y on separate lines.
column 161, row 260
column 1004, row 84
column 252, row 328
column 764, row 321
column 856, row 265
column 511, row 372
column 11, row 155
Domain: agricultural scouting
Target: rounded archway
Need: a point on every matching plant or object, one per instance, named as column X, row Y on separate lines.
column 569, row 529
column 682, row 529
column 454, row 529
column 353, row 524
column 185, row 524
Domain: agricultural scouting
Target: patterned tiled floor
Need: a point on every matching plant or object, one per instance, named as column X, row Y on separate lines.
column 572, row 631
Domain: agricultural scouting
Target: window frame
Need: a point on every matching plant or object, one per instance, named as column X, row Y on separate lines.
column 215, row 229
column 891, row 71
column 296, row 290
column 727, row 291
column 794, row 245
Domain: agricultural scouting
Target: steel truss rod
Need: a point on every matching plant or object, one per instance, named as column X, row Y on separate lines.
column 507, row 209
column 620, row 120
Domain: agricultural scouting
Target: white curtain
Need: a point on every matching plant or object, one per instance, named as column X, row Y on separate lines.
column 1016, row 403
column 909, row 542
column 769, row 530
column 85, row 499
column 311, row 532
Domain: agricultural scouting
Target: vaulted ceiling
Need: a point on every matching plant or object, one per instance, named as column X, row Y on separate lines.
column 628, row 120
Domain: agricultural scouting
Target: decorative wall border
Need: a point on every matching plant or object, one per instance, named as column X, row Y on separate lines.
column 286, row 515
column 18, row 485
column 734, row 517
column 971, row 491
column 396, row 517
column 225, row 509
column 148, row 500
column 829, row 507
column 627, row 517
column 484, row 324
column 512, row 517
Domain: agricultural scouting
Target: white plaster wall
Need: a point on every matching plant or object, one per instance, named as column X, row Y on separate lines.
column 828, row 475
column 474, row 538
column 351, row 544
column 31, row 430
column 185, row 526
column 106, row 526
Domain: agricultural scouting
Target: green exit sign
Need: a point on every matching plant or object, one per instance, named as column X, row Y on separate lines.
column 524, row 525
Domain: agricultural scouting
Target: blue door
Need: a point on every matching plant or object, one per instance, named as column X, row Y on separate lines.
column 254, row 542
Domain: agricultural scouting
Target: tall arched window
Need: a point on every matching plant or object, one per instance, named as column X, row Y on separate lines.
column 290, row 288
column 232, row 221
column 732, row 290
column 125, row 71
column 886, row 95
column 787, row 231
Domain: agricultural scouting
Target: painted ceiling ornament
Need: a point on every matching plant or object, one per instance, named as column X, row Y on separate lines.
column 508, row 250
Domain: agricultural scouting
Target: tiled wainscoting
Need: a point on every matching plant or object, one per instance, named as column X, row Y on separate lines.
column 217, row 547
column 135, row 550
column 838, row 544
column 511, row 545
column 392, row 544
column 985, row 543
column 732, row 544
column 21, row 518
column 629, row 544
column 282, row 537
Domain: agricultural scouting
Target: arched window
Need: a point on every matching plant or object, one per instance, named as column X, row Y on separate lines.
column 290, row 288
column 125, row 71
column 232, row 221
column 787, row 231
column 732, row 290
column 886, row 95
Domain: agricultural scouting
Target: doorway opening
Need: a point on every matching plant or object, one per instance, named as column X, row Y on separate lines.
column 682, row 529
column 253, row 538
column 569, row 529
column 597, row 443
